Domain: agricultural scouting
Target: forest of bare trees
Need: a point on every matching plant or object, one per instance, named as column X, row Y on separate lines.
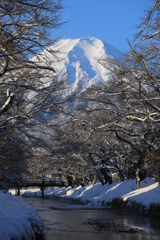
column 116, row 127
column 118, row 130
column 27, row 94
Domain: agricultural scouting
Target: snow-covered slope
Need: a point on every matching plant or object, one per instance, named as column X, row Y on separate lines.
column 18, row 220
column 76, row 63
column 78, row 59
column 96, row 195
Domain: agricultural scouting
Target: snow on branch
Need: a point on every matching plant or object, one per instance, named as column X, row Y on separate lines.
column 7, row 103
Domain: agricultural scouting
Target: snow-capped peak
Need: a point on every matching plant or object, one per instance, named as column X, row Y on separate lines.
column 78, row 61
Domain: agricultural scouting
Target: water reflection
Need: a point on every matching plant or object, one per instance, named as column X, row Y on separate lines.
column 88, row 224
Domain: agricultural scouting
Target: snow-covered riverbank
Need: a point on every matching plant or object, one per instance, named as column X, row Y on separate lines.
column 18, row 220
column 120, row 194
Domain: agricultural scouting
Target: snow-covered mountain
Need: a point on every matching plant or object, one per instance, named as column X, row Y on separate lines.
column 78, row 60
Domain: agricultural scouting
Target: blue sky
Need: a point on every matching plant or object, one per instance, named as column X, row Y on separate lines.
column 110, row 20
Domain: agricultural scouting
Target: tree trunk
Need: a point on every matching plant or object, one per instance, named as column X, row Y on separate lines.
column 95, row 177
column 107, row 176
column 100, row 177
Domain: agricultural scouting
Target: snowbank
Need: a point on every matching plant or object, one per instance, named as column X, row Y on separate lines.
column 17, row 219
column 127, row 190
column 98, row 195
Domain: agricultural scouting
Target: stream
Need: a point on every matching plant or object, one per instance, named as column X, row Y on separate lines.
column 66, row 221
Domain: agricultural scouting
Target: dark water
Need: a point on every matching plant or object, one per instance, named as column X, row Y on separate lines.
column 63, row 223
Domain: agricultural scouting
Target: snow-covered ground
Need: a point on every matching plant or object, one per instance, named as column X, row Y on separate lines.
column 17, row 219
column 98, row 195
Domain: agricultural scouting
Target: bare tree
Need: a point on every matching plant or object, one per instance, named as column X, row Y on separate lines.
column 136, row 80
column 115, row 125
column 27, row 72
